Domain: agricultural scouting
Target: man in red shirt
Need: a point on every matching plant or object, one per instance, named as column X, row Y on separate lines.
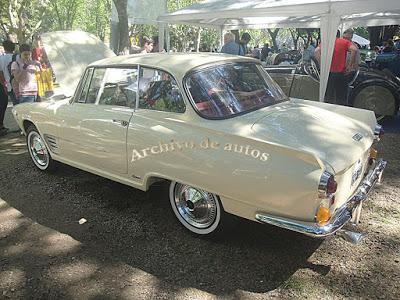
column 336, row 91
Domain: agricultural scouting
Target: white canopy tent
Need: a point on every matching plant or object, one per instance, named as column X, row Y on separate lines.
column 324, row 14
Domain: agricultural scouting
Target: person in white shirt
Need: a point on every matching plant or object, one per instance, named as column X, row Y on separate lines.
column 5, row 60
column 5, row 86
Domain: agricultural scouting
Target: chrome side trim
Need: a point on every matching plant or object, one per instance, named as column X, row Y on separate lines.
column 342, row 215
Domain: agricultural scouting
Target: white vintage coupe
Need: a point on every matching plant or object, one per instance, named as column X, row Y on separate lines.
column 219, row 129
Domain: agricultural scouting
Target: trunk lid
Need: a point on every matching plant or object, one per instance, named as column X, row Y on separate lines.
column 335, row 139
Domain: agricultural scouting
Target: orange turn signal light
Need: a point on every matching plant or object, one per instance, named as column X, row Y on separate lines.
column 373, row 153
column 323, row 215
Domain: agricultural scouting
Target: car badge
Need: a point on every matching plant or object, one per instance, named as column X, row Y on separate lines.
column 357, row 137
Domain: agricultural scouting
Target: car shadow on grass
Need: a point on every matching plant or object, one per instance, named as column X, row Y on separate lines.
column 138, row 228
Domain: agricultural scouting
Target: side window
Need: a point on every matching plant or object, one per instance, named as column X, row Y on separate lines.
column 84, row 87
column 119, row 87
column 158, row 91
column 95, row 85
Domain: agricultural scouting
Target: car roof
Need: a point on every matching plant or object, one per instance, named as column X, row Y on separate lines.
column 178, row 64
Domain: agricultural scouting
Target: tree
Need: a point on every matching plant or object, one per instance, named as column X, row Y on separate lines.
column 95, row 17
column 22, row 18
column 295, row 33
column 123, row 27
column 66, row 12
column 273, row 34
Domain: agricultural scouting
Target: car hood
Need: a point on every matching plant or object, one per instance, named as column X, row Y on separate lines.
column 70, row 52
column 335, row 139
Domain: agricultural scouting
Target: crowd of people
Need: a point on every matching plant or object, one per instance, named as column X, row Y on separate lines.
column 24, row 76
column 345, row 59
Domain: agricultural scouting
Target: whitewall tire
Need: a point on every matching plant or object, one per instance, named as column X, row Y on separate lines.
column 38, row 151
column 196, row 209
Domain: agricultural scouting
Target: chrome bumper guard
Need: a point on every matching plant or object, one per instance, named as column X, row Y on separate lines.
column 342, row 215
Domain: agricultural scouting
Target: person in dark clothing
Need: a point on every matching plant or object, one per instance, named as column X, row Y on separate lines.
column 3, row 107
column 245, row 39
column 336, row 91
column 265, row 51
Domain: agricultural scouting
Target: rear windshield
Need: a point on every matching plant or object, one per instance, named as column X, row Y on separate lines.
column 224, row 91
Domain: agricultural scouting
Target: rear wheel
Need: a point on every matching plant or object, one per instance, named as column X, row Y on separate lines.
column 378, row 98
column 198, row 210
column 38, row 151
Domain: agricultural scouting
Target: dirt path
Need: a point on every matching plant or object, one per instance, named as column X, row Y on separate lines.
column 131, row 247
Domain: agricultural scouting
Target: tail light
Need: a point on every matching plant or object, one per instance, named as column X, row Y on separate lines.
column 378, row 132
column 327, row 185
column 326, row 188
column 331, row 187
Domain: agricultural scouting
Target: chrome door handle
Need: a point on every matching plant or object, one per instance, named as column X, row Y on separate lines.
column 121, row 122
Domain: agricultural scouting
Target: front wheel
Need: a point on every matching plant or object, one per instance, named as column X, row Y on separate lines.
column 198, row 210
column 38, row 151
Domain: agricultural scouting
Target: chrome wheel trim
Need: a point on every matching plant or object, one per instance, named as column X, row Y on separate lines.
column 315, row 69
column 377, row 98
column 198, row 210
column 38, row 151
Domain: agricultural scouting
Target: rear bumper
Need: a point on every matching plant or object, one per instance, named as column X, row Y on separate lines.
column 342, row 215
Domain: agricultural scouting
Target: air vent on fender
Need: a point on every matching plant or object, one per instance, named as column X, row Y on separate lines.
column 51, row 141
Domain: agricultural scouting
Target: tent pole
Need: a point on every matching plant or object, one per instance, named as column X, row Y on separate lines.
column 329, row 25
column 221, row 37
column 161, row 36
column 167, row 39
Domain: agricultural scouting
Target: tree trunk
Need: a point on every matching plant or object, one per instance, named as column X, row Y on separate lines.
column 122, row 10
column 198, row 40
column 273, row 34
column 295, row 37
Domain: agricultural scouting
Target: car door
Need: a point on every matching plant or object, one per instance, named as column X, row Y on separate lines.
column 156, row 124
column 95, row 124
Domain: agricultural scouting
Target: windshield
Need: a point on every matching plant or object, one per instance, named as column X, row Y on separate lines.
column 227, row 90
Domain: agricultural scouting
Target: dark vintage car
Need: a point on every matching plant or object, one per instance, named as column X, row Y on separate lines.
column 371, row 89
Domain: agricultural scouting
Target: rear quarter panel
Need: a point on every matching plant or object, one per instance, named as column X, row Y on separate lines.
column 249, row 175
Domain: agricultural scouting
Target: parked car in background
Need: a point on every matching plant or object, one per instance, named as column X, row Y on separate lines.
column 220, row 131
column 370, row 88
column 387, row 61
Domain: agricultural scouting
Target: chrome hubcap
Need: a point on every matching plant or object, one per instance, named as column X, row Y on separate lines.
column 38, row 150
column 197, row 207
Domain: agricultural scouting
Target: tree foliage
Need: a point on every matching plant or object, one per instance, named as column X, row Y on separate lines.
column 22, row 18
column 26, row 18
